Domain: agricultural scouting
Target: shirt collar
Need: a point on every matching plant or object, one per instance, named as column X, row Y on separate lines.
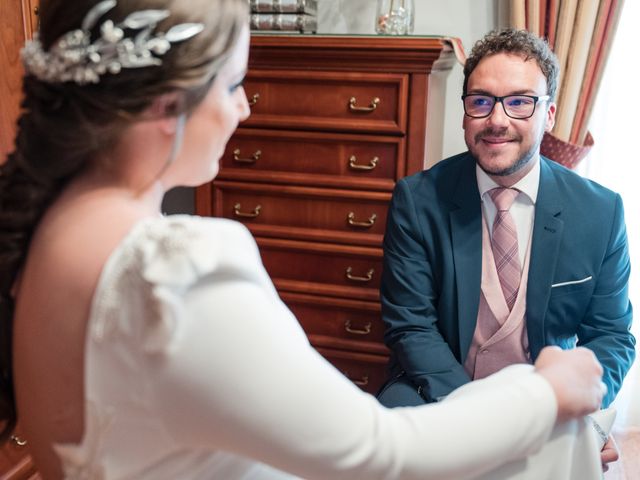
column 528, row 184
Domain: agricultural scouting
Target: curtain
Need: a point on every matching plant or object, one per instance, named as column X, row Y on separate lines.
column 609, row 162
column 613, row 123
column 615, row 126
column 580, row 33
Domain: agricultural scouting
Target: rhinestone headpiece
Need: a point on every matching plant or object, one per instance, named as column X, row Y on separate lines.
column 129, row 44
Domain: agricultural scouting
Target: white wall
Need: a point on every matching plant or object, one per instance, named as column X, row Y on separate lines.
column 468, row 20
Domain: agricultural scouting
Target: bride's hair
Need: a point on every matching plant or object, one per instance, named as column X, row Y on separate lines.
column 64, row 124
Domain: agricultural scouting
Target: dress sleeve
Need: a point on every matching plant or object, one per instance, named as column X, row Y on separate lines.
column 239, row 375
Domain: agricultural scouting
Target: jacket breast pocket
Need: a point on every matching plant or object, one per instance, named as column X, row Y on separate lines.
column 567, row 306
column 577, row 287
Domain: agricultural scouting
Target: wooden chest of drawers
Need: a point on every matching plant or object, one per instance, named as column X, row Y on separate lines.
column 335, row 122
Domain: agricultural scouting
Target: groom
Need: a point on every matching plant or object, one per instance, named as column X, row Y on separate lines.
column 494, row 253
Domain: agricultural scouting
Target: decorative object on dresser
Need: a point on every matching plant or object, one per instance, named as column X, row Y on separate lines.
column 336, row 121
column 395, row 17
column 284, row 15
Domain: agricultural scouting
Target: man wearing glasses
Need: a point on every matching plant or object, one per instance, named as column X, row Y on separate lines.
column 494, row 253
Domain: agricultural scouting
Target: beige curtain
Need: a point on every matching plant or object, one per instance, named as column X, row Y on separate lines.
column 580, row 33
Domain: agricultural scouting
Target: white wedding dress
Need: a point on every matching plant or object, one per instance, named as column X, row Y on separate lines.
column 195, row 369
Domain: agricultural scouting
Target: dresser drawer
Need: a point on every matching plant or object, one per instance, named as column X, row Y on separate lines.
column 342, row 216
column 323, row 269
column 365, row 370
column 339, row 323
column 313, row 158
column 329, row 101
column 300, row 173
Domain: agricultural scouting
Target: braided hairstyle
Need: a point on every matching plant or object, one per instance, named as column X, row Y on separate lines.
column 63, row 126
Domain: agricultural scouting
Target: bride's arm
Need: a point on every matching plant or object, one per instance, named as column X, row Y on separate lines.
column 240, row 376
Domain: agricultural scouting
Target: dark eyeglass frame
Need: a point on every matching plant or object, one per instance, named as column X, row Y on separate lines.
column 496, row 100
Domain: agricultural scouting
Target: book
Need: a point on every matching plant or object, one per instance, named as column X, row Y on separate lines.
column 309, row 7
column 288, row 22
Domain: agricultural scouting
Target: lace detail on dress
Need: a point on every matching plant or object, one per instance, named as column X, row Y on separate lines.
column 156, row 264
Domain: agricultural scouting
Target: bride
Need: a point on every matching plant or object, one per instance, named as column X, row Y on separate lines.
column 137, row 346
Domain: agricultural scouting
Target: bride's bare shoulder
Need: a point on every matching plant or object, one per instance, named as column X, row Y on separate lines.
column 68, row 251
column 76, row 241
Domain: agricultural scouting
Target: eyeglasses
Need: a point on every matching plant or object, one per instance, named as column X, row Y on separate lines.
column 515, row 106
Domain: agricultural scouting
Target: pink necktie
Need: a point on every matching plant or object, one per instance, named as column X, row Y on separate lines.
column 505, row 244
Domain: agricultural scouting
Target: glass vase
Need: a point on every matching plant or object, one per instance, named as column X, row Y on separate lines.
column 395, row 17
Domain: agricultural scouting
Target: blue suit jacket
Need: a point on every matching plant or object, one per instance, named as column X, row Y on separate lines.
column 433, row 263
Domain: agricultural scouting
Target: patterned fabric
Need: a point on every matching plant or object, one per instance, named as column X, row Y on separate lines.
column 505, row 243
column 565, row 153
column 500, row 337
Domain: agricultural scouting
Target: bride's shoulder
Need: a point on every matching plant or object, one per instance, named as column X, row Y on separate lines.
column 179, row 249
column 178, row 235
column 158, row 262
column 183, row 227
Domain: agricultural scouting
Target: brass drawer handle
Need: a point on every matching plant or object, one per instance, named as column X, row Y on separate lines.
column 351, row 219
column 355, row 278
column 254, row 158
column 372, row 106
column 238, row 213
column 361, row 382
column 254, row 99
column 18, row 441
column 365, row 330
column 372, row 164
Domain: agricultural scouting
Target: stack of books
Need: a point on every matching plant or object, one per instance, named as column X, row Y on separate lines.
column 284, row 15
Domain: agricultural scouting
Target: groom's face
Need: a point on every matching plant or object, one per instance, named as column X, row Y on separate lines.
column 505, row 146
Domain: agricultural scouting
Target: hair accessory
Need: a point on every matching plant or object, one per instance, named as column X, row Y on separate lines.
column 129, row 44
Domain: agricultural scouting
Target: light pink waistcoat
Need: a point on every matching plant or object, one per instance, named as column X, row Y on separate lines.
column 500, row 337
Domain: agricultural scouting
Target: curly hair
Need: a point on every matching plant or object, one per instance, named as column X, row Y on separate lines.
column 517, row 42
column 63, row 126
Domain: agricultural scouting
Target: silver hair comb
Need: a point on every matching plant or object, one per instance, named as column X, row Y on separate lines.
column 74, row 58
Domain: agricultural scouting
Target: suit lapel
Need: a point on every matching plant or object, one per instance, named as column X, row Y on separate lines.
column 466, row 238
column 545, row 244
